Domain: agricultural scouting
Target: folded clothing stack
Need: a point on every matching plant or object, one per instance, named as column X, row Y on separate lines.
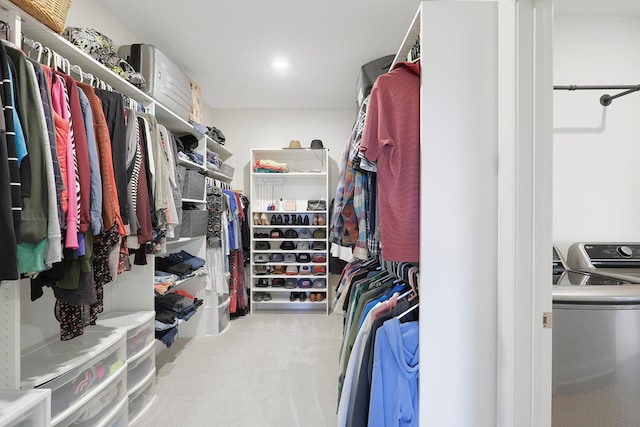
column 170, row 308
column 270, row 166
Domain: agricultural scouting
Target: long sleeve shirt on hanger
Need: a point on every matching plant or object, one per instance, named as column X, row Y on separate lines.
column 33, row 227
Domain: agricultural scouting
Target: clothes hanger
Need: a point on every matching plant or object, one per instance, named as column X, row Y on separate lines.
column 407, row 311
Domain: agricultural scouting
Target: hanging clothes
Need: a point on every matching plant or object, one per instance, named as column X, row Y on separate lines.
column 391, row 138
column 10, row 186
column 375, row 295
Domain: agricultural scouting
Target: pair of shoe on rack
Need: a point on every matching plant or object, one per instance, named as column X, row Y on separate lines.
column 318, row 219
column 261, row 296
column 260, row 219
column 316, row 297
column 302, row 296
column 285, row 220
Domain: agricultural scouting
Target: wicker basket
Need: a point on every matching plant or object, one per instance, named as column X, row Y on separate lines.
column 52, row 13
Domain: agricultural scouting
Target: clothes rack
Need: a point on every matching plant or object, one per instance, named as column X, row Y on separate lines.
column 605, row 99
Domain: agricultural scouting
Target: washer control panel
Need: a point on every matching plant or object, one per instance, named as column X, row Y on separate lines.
column 599, row 255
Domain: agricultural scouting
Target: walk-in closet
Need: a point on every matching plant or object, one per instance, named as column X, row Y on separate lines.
column 318, row 214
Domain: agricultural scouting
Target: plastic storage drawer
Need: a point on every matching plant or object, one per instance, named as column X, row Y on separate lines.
column 141, row 398
column 98, row 411
column 140, row 367
column 223, row 315
column 118, row 417
column 25, row 408
column 76, row 370
column 140, row 328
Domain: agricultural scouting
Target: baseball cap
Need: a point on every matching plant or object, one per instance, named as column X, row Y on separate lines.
column 304, row 257
column 276, row 258
column 318, row 270
column 289, row 258
column 303, row 246
column 319, row 233
column 261, row 269
column 260, row 258
column 278, row 282
column 287, row 245
column 305, row 269
column 291, row 234
column 279, row 269
column 305, row 234
column 262, row 283
column 276, row 233
column 319, row 283
column 319, row 258
column 291, row 270
column 304, row 283
column 262, row 246
column 290, row 283
column 318, row 246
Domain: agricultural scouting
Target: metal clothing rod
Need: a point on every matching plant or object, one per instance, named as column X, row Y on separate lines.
column 605, row 99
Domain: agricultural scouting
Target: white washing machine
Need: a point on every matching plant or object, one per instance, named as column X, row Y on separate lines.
column 596, row 349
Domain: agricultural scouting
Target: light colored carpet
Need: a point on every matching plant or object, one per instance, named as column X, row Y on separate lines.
column 266, row 370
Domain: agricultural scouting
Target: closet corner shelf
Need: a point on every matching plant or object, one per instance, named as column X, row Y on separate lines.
column 217, row 175
column 180, row 126
column 183, row 240
column 191, row 165
column 193, row 201
column 190, row 280
column 289, row 174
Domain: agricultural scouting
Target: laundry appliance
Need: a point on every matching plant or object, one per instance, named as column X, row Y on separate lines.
column 596, row 349
column 618, row 260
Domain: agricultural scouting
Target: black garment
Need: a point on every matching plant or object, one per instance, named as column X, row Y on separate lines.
column 113, row 107
column 10, row 203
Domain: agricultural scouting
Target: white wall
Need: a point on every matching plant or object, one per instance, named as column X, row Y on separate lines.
column 92, row 14
column 247, row 129
column 244, row 129
column 596, row 149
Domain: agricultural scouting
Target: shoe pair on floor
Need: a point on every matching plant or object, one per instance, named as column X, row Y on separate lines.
column 261, row 296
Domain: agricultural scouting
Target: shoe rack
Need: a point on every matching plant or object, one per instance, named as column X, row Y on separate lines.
column 289, row 257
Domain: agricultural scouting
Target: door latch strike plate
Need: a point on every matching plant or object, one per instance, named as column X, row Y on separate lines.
column 546, row 320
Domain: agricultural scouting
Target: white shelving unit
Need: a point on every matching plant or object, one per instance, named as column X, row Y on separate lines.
column 307, row 179
column 32, row 357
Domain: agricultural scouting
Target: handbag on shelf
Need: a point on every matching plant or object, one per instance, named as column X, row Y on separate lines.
column 316, row 205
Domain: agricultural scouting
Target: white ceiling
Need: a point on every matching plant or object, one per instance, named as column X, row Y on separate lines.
column 227, row 45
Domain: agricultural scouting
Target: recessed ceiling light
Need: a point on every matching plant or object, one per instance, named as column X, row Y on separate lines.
column 280, row 64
